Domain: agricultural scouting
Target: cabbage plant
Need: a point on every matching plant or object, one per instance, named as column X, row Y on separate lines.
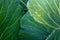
column 29, row 19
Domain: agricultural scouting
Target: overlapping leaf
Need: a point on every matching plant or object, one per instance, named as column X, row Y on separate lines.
column 42, row 22
column 32, row 30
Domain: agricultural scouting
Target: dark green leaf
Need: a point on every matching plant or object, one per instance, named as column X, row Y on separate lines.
column 10, row 14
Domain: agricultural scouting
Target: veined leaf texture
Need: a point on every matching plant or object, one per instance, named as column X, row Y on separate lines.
column 29, row 19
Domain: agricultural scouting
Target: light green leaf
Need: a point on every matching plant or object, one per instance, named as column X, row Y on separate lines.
column 42, row 22
column 45, row 12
